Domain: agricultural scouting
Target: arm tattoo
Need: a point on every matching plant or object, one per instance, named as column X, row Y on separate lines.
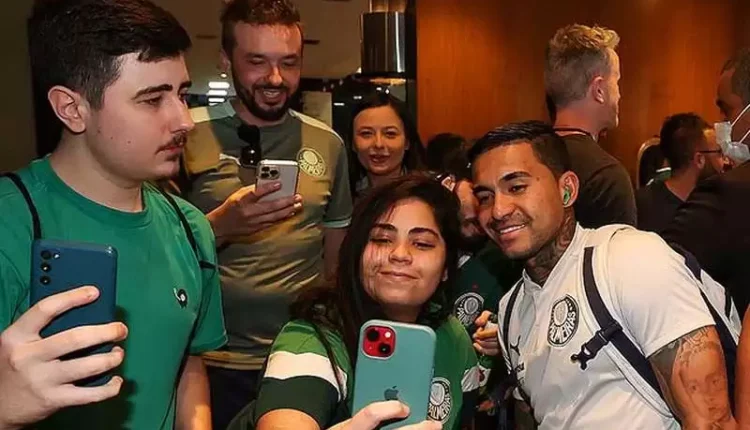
column 692, row 375
column 540, row 266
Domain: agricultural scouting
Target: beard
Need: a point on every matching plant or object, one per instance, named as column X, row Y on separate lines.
column 247, row 97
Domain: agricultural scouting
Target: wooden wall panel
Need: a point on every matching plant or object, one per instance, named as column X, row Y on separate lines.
column 480, row 62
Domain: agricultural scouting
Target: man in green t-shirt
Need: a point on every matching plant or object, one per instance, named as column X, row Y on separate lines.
column 114, row 76
column 272, row 249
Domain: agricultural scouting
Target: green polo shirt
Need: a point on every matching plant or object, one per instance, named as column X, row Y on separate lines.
column 155, row 261
column 262, row 273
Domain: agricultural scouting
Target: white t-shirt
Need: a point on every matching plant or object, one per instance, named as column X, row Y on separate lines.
column 648, row 289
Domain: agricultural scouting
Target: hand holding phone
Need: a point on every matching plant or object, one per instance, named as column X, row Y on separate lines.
column 395, row 362
column 243, row 214
column 285, row 172
column 34, row 383
column 374, row 414
column 59, row 266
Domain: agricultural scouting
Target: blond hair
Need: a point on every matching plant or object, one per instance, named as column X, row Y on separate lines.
column 576, row 54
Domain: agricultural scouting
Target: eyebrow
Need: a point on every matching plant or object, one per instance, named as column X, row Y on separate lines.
column 161, row 88
column 415, row 230
column 514, row 175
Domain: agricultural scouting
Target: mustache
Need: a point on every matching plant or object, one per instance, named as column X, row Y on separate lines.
column 508, row 220
column 281, row 87
column 179, row 139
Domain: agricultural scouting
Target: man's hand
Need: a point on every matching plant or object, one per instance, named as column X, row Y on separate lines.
column 374, row 414
column 242, row 215
column 34, row 383
column 485, row 338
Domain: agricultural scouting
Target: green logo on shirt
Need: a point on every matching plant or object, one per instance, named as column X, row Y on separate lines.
column 441, row 401
column 311, row 162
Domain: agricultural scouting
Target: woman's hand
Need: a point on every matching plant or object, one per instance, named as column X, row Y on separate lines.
column 374, row 414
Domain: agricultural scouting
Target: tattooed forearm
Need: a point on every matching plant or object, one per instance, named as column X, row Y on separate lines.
column 692, row 376
column 540, row 266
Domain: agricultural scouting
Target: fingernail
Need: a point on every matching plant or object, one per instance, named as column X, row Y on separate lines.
column 297, row 206
column 277, row 185
column 92, row 292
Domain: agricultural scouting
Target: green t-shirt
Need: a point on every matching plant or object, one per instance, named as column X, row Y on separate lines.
column 482, row 279
column 299, row 375
column 261, row 273
column 155, row 261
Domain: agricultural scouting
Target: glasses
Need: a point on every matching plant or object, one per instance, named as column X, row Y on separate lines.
column 251, row 153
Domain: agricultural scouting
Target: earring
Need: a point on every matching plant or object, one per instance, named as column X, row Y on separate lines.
column 566, row 196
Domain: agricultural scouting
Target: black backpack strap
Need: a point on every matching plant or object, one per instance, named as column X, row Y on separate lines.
column 508, row 315
column 36, row 223
column 512, row 379
column 610, row 331
column 188, row 231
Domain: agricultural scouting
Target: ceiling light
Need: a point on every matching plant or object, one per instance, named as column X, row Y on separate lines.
column 218, row 85
column 216, row 100
column 217, row 93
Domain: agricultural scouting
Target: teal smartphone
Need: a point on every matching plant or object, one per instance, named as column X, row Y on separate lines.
column 395, row 362
column 59, row 266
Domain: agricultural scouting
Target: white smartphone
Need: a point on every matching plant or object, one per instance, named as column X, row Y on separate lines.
column 284, row 171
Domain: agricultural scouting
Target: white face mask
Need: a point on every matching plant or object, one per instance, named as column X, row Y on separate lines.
column 737, row 151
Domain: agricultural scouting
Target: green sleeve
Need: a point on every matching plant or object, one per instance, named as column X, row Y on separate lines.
column 13, row 292
column 339, row 210
column 299, row 375
column 209, row 333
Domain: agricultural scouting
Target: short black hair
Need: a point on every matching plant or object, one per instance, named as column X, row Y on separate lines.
column 77, row 43
column 448, row 153
column 548, row 147
column 256, row 12
column 679, row 138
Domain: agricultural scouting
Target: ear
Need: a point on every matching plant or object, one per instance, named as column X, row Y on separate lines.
column 70, row 107
column 568, row 185
column 699, row 160
column 225, row 62
column 598, row 89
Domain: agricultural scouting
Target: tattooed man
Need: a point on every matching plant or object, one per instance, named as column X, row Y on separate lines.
column 526, row 194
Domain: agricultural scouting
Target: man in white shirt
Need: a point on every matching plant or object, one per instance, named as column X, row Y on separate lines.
column 526, row 194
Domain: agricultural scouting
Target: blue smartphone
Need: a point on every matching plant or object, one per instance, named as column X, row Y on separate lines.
column 59, row 266
column 395, row 362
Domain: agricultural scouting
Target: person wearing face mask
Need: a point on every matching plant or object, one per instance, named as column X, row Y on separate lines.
column 385, row 142
column 269, row 250
column 581, row 80
column 689, row 145
column 397, row 262
column 713, row 223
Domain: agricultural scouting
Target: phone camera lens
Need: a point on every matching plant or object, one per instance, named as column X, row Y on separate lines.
column 373, row 335
column 264, row 175
column 46, row 267
column 274, row 172
column 46, row 254
column 384, row 349
column 45, row 280
column 264, row 169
